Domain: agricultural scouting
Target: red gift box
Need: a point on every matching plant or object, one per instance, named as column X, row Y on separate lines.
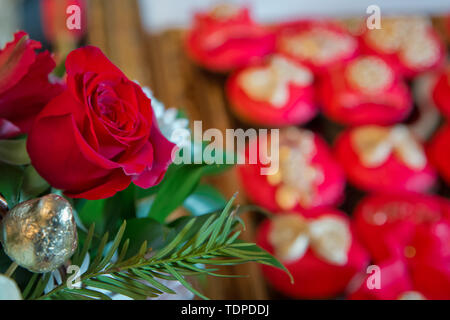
column 365, row 91
column 408, row 43
column 227, row 38
column 316, row 44
column 386, row 223
column 321, row 253
column 439, row 152
column 308, row 176
column 441, row 92
column 384, row 159
column 278, row 92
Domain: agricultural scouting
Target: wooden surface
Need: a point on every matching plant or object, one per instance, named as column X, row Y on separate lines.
column 158, row 61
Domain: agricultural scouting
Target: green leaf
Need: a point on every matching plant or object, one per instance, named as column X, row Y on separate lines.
column 180, row 181
column 33, row 184
column 144, row 229
column 122, row 206
column 144, row 193
column 205, row 199
column 14, row 152
column 90, row 212
column 11, row 178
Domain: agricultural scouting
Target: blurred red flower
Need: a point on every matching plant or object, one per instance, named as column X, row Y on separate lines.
column 24, row 82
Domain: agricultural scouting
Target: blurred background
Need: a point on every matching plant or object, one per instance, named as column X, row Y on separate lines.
column 158, row 15
column 145, row 39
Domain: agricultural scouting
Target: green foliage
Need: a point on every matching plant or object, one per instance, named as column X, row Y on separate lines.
column 14, row 152
column 205, row 199
column 11, row 178
column 179, row 182
column 19, row 183
column 33, row 184
column 187, row 243
column 144, row 250
column 108, row 214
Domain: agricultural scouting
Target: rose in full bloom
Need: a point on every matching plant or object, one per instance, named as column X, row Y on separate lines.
column 24, row 83
column 100, row 134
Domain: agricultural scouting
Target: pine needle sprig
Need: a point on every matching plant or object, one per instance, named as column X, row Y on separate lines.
column 201, row 247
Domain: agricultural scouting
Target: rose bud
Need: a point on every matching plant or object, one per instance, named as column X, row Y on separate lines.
column 441, row 92
column 386, row 223
column 392, row 281
column 227, row 38
column 365, row 91
column 321, row 253
column 24, row 81
column 317, row 44
column 307, row 177
column 100, row 134
column 408, row 43
column 439, row 152
column 384, row 159
column 278, row 92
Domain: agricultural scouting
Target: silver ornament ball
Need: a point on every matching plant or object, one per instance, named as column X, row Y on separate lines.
column 40, row 234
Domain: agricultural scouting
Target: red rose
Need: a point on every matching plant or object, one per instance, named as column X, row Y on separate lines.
column 100, row 134
column 24, row 84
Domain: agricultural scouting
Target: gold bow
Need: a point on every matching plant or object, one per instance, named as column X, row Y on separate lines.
column 296, row 178
column 374, row 145
column 328, row 237
column 409, row 37
column 369, row 74
column 271, row 83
